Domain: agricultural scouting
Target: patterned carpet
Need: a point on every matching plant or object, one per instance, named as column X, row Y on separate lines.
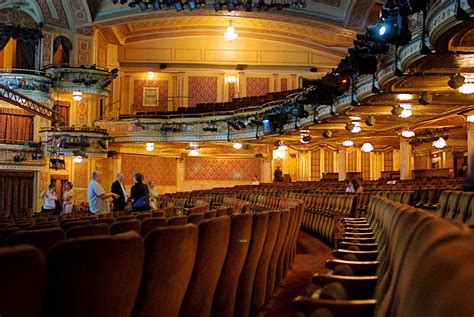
column 310, row 257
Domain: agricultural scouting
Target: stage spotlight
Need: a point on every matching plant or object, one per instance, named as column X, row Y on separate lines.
column 230, row 4
column 370, row 121
column 217, row 6
column 425, row 98
column 393, row 28
column 456, row 81
column 192, row 5
column 178, row 5
column 327, row 134
column 156, row 5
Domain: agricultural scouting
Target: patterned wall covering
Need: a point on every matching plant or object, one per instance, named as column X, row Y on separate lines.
column 202, row 89
column 80, row 13
column 231, row 91
column 388, row 161
column 351, row 158
column 17, row 17
column 284, row 84
column 81, row 175
column 84, row 49
column 365, row 165
column 102, row 51
column 197, row 168
column 47, row 49
column 328, row 161
column 81, row 118
column 161, row 170
column 257, row 86
column 80, row 196
column 61, row 21
column 316, row 165
column 138, row 86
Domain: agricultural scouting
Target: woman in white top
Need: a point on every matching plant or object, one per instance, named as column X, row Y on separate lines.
column 153, row 195
column 50, row 198
column 67, row 199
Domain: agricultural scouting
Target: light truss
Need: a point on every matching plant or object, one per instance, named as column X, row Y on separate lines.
column 14, row 97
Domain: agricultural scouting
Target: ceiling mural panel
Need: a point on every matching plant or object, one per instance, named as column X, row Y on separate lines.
column 80, row 12
column 61, row 20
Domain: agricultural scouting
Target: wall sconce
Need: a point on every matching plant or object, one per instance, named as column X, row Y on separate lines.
column 77, row 96
column 231, row 79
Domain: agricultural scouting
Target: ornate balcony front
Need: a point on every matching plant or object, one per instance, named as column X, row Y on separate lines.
column 31, row 83
column 88, row 79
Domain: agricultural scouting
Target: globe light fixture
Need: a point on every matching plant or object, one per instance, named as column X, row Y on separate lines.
column 470, row 118
column 467, row 87
column 407, row 133
column 230, row 34
column 440, row 143
column 357, row 128
column 406, row 112
column 367, row 147
column 77, row 159
column 77, row 96
column 282, row 147
column 237, row 145
column 150, row 147
column 347, row 143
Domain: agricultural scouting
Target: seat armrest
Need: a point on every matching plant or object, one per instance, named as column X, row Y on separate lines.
column 361, row 255
column 361, row 246
column 370, row 266
column 359, row 240
column 350, row 282
column 353, row 308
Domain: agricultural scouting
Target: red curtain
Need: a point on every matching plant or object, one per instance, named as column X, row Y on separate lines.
column 16, row 193
column 15, row 125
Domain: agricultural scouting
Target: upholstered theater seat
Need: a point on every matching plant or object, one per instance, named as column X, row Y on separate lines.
column 100, row 229
column 150, row 224
column 43, row 239
column 125, row 226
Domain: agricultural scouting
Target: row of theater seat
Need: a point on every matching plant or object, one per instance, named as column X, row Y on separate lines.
column 457, row 206
column 397, row 261
column 240, row 259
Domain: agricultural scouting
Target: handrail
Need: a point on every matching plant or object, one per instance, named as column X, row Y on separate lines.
column 81, row 66
column 24, row 72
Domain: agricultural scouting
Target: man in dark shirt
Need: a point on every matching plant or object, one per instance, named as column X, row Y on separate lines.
column 118, row 187
column 462, row 172
column 278, row 175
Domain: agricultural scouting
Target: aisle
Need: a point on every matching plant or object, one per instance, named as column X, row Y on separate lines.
column 310, row 257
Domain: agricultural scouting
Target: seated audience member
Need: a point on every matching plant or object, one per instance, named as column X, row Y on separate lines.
column 96, row 195
column 462, row 172
column 153, row 195
column 67, row 199
column 349, row 186
column 255, row 181
column 139, row 194
column 357, row 185
column 50, row 198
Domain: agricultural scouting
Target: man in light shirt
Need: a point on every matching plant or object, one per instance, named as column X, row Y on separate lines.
column 96, row 195
column 118, row 187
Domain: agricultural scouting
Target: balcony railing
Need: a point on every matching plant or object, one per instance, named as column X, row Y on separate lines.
column 32, row 83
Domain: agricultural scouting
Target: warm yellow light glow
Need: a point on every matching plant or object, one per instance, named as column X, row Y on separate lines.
column 193, row 152
column 407, row 112
column 77, row 96
column 468, row 86
column 357, row 128
column 470, row 118
column 404, row 97
column 282, row 147
column 77, row 159
column 367, row 147
column 348, row 142
column 151, row 74
column 230, row 34
column 150, row 147
column 407, row 133
column 440, row 143
column 231, row 79
column 237, row 145
column 193, row 145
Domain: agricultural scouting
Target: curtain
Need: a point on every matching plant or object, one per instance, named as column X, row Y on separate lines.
column 15, row 127
column 25, row 54
column 3, row 41
column 16, row 192
column 63, row 43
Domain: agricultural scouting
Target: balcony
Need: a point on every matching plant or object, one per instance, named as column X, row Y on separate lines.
column 31, row 83
column 88, row 79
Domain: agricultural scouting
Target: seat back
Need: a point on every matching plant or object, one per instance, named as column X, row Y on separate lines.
column 107, row 220
column 176, row 221
column 67, row 224
column 239, row 242
column 211, row 252
column 443, row 202
column 43, row 239
column 125, row 226
column 244, row 290
column 94, row 276
column 150, row 224
column 23, row 280
column 195, row 218
column 170, row 254
column 100, row 229
column 260, row 281
column 5, row 233
column 452, row 205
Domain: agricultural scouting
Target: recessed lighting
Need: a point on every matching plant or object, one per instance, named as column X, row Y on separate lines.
column 237, row 145
column 404, row 97
column 193, row 152
column 151, row 73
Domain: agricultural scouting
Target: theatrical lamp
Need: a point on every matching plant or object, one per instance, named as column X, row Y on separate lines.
column 282, row 147
column 77, row 96
column 407, row 133
column 406, row 112
column 470, row 118
column 357, row 128
column 425, row 98
column 367, row 147
column 230, row 34
column 237, row 145
column 392, row 28
column 150, row 147
column 347, row 143
column 456, row 81
column 440, row 143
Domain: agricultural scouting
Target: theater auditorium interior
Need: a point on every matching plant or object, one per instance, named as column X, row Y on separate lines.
column 299, row 158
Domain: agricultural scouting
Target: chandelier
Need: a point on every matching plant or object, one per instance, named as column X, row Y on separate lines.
column 230, row 34
column 407, row 133
column 367, row 147
column 440, row 143
column 406, row 112
column 347, row 143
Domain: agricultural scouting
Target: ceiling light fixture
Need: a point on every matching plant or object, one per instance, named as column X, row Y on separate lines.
column 407, row 133
column 468, row 86
column 357, row 128
column 237, row 145
column 193, row 152
column 77, row 96
column 367, row 147
column 404, row 97
column 347, row 143
column 77, row 159
column 282, row 147
column 406, row 112
column 150, row 147
column 230, row 34
column 440, row 143
column 470, row 118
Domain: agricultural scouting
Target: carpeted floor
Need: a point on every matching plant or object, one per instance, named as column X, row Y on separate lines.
column 310, row 257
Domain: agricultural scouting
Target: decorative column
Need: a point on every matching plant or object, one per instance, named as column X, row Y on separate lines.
column 182, row 101
column 241, row 89
column 470, row 149
column 293, row 82
column 405, row 159
column 342, row 163
column 276, row 83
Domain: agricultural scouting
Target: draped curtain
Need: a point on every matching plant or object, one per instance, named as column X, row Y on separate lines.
column 66, row 47
column 16, row 192
column 25, row 54
column 15, row 126
column 3, row 41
